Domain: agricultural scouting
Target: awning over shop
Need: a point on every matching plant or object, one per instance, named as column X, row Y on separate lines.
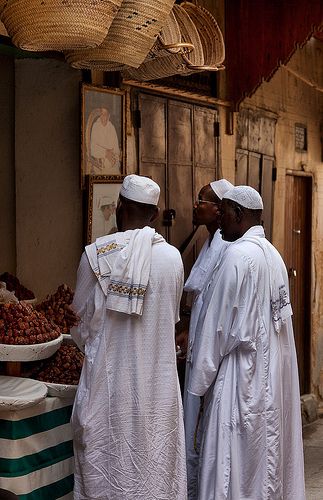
column 262, row 34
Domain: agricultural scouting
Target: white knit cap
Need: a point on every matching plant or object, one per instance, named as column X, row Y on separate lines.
column 220, row 187
column 141, row 189
column 245, row 196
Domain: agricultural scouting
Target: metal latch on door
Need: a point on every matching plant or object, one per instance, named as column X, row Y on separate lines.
column 169, row 217
column 292, row 272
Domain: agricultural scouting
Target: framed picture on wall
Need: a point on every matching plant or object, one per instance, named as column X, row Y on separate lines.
column 103, row 131
column 102, row 197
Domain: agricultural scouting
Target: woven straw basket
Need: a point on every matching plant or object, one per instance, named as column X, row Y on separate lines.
column 210, row 36
column 2, row 5
column 176, row 63
column 132, row 34
column 58, row 24
column 168, row 41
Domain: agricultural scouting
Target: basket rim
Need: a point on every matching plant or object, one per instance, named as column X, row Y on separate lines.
column 203, row 19
column 189, row 34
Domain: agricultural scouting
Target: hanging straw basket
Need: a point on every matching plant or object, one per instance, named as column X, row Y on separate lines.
column 2, row 6
column 132, row 34
column 168, row 41
column 210, row 36
column 176, row 63
column 58, row 24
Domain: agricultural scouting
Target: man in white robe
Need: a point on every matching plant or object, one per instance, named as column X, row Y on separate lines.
column 206, row 212
column 127, row 418
column 105, row 145
column 245, row 368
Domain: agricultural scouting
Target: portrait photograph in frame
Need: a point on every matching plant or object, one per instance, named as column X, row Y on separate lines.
column 103, row 131
column 102, row 196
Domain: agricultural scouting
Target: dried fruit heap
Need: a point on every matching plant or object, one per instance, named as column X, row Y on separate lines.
column 22, row 324
column 57, row 308
column 14, row 285
column 64, row 367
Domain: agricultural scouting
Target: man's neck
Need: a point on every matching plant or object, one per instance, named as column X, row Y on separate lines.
column 212, row 229
column 135, row 225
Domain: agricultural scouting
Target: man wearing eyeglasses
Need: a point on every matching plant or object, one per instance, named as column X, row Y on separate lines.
column 206, row 211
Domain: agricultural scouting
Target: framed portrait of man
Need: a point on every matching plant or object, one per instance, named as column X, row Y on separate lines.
column 103, row 131
column 102, row 197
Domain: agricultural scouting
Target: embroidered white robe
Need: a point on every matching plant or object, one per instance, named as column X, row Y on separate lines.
column 127, row 417
column 244, row 364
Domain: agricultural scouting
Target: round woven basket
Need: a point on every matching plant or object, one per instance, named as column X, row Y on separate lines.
column 176, row 63
column 82, row 59
column 58, row 25
column 132, row 34
column 210, row 34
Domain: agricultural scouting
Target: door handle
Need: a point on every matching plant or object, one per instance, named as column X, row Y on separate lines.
column 292, row 272
column 297, row 231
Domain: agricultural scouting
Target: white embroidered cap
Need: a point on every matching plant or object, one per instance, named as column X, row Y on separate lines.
column 106, row 200
column 141, row 189
column 220, row 187
column 246, row 196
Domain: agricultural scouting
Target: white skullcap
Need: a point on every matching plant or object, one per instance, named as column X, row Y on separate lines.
column 245, row 196
column 106, row 200
column 220, row 187
column 141, row 189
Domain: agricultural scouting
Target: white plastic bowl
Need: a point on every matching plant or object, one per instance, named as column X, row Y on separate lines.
column 29, row 352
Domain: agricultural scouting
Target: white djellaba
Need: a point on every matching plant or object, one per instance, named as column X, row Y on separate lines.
column 245, row 368
column 199, row 278
column 127, row 417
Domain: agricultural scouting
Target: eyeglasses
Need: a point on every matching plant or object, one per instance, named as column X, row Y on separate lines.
column 198, row 202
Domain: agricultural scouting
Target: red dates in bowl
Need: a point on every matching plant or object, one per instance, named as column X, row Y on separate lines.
column 21, row 324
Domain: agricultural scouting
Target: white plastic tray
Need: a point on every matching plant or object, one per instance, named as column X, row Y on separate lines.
column 17, row 393
column 29, row 352
column 61, row 390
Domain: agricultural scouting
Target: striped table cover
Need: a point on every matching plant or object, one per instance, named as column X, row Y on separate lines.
column 36, row 451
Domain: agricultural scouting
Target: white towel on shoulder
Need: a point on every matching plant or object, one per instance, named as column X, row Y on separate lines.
column 121, row 263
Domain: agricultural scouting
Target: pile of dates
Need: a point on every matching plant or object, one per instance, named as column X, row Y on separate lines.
column 64, row 367
column 14, row 285
column 57, row 308
column 21, row 324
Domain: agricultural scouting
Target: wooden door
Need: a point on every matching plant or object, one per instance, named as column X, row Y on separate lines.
column 298, row 221
column 178, row 147
column 152, row 148
column 180, row 169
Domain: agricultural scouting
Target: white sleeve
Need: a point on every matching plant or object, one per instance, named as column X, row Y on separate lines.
column 231, row 310
column 97, row 151
column 180, row 285
column 85, row 287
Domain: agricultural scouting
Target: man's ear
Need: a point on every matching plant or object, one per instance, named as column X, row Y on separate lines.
column 239, row 213
column 155, row 214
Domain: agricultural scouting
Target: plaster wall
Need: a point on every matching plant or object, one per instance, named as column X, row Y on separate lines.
column 295, row 94
column 7, row 171
column 49, row 222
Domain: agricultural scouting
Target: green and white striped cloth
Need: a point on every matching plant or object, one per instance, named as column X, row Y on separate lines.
column 36, row 451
